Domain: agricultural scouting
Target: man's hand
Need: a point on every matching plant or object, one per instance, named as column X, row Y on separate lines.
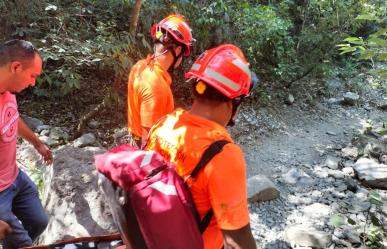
column 4, row 229
column 45, row 152
column 239, row 239
column 28, row 135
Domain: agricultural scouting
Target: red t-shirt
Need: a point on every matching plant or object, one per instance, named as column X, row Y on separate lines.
column 9, row 118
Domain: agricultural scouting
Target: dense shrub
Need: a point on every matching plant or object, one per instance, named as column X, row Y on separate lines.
column 283, row 40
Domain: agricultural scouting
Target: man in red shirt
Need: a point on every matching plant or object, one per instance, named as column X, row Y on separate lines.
column 20, row 207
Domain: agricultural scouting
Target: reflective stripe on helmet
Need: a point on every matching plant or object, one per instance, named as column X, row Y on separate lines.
column 169, row 24
column 195, row 66
column 221, row 79
column 242, row 66
column 224, row 68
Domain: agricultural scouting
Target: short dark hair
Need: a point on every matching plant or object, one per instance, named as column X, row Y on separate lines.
column 17, row 50
column 210, row 93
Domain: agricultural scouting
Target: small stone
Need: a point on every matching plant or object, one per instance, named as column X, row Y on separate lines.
column 307, row 236
column 383, row 139
column 290, row 99
column 42, row 127
column 48, row 140
column 335, row 101
column 294, row 176
column 32, row 123
column 332, row 162
column 383, row 104
column 93, row 124
column 350, row 98
column 350, row 152
column 336, row 174
column 45, row 132
column 341, row 188
column 85, row 140
column 359, row 207
column 348, row 171
column 351, row 184
column 260, row 188
column 118, row 133
column 59, row 133
column 317, row 210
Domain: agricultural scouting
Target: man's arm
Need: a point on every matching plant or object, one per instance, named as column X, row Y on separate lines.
column 239, row 239
column 25, row 132
column 4, row 229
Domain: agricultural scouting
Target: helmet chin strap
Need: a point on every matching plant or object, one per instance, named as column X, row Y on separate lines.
column 154, row 56
column 175, row 58
column 235, row 104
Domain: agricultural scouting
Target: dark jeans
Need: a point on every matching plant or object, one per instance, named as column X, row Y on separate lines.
column 21, row 208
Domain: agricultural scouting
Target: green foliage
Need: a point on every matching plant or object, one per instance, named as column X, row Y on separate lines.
column 65, row 59
column 374, row 47
column 375, row 227
column 272, row 45
column 376, row 231
column 374, row 237
column 337, row 220
column 77, row 43
column 36, row 174
column 368, row 126
column 283, row 40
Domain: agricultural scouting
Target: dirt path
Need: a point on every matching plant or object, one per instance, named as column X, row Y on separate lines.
column 301, row 144
column 303, row 138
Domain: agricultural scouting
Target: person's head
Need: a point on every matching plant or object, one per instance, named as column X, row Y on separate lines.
column 20, row 65
column 222, row 78
column 172, row 36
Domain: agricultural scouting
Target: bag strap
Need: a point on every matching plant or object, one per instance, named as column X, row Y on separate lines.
column 212, row 150
column 208, row 154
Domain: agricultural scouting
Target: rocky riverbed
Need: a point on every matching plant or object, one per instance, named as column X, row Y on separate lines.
column 311, row 174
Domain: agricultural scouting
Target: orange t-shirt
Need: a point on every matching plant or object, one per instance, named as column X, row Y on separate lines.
column 149, row 95
column 182, row 138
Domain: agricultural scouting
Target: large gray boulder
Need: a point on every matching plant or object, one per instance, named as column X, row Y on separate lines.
column 371, row 173
column 307, row 236
column 71, row 197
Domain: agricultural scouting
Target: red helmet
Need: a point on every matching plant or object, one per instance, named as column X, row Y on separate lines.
column 224, row 68
column 176, row 26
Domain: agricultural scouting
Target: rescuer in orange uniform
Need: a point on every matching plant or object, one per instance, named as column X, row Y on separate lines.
column 221, row 80
column 149, row 93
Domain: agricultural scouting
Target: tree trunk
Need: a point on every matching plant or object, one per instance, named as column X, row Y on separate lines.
column 83, row 122
column 116, row 84
column 135, row 16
